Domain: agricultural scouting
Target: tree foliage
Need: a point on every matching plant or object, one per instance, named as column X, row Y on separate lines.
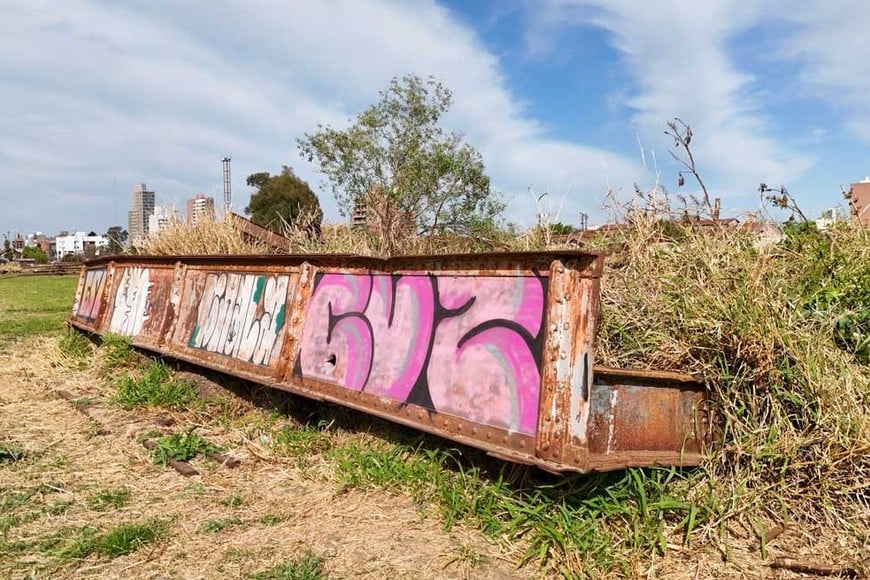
column 560, row 229
column 35, row 253
column 117, row 237
column 282, row 198
column 410, row 174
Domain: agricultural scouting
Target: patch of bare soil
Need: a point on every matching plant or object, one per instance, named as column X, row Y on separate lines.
column 223, row 523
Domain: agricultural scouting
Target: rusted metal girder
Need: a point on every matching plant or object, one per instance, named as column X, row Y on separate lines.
column 253, row 231
column 494, row 351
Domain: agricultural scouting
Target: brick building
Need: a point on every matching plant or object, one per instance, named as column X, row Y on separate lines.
column 859, row 202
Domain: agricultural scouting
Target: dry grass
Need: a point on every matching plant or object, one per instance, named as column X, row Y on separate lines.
column 224, row 523
column 761, row 327
column 220, row 237
column 204, row 237
column 344, row 239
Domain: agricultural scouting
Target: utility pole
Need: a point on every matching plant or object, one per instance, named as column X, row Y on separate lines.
column 228, row 193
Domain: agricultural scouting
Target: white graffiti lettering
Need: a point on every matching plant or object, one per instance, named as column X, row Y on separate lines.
column 241, row 316
column 131, row 301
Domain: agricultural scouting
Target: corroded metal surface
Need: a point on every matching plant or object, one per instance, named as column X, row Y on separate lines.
column 253, row 231
column 491, row 350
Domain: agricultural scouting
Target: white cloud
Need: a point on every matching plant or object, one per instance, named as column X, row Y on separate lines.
column 829, row 41
column 96, row 97
column 677, row 56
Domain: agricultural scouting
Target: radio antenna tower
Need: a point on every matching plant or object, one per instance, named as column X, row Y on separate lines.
column 228, row 193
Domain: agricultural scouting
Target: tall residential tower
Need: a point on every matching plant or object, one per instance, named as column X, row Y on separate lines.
column 199, row 209
column 141, row 208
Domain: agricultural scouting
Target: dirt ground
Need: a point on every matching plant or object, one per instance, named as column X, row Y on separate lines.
column 268, row 511
column 285, row 511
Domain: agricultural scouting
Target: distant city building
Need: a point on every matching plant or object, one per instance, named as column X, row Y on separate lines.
column 141, row 208
column 831, row 217
column 162, row 218
column 39, row 240
column 199, row 209
column 859, row 202
column 359, row 217
column 79, row 244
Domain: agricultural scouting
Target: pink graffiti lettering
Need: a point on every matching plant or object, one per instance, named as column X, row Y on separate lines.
column 466, row 346
column 481, row 365
column 89, row 306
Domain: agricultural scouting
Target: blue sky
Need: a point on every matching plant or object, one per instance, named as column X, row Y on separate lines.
column 560, row 96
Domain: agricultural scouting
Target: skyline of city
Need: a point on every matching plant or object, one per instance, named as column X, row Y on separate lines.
column 145, row 213
column 144, row 218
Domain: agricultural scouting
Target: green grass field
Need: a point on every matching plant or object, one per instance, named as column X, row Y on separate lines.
column 34, row 305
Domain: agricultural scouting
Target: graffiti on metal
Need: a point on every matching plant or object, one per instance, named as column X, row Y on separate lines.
column 495, row 351
column 131, row 301
column 241, row 316
column 466, row 346
column 92, row 295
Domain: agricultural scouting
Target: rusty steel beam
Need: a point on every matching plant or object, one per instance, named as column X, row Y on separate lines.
column 495, row 351
column 257, row 232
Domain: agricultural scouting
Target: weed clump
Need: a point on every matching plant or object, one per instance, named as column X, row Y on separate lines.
column 156, row 387
column 78, row 543
column 306, row 567
column 74, row 350
column 128, row 538
column 302, row 440
column 110, row 499
column 116, row 352
column 181, row 447
column 11, row 452
column 234, row 500
column 219, row 525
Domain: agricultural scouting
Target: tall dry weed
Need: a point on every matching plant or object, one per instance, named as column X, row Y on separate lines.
column 761, row 327
column 369, row 241
column 204, row 237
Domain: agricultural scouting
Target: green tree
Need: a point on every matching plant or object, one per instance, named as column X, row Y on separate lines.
column 7, row 249
column 560, row 229
column 282, row 198
column 117, row 237
column 403, row 167
column 35, row 253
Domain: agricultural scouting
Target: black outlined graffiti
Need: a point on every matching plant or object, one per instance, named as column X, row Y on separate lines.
column 469, row 346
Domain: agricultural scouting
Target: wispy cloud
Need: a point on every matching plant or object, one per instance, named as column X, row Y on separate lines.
column 677, row 56
column 829, row 42
column 98, row 96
